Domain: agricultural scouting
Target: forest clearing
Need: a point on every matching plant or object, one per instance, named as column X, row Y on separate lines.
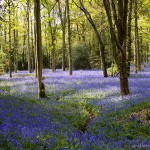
column 61, row 121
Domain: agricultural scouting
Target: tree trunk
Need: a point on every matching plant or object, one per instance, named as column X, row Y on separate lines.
column 63, row 26
column 69, row 38
column 41, row 87
column 114, row 50
column 53, row 39
column 15, row 50
column 32, row 48
column 35, row 41
column 129, row 39
column 63, row 49
column 79, row 35
column 10, row 51
column 23, row 51
column 16, row 41
column 28, row 33
column 123, row 75
column 53, row 54
column 103, row 61
column 137, row 62
column 119, row 16
column 142, row 53
column 5, row 40
column 147, row 53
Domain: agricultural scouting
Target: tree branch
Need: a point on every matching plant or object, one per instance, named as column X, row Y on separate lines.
column 108, row 12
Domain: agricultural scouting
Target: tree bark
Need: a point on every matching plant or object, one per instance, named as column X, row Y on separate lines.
column 35, row 40
column 32, row 48
column 137, row 61
column 23, row 51
column 16, row 41
column 10, row 50
column 63, row 26
column 114, row 50
column 41, row 87
column 28, row 33
column 129, row 39
column 69, row 38
column 120, row 20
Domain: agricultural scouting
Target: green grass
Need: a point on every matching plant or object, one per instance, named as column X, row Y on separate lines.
column 119, row 123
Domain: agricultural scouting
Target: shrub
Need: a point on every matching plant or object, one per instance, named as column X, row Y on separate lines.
column 113, row 70
column 81, row 57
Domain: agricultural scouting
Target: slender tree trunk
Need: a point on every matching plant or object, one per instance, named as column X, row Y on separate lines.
column 35, row 41
column 15, row 31
column 63, row 26
column 83, row 31
column 147, row 51
column 114, row 50
column 23, row 51
column 142, row 53
column 5, row 40
column 46, row 43
column 129, row 39
column 137, row 63
column 10, row 51
column 53, row 32
column 15, row 50
column 53, row 54
column 28, row 32
column 41, row 87
column 69, row 38
column 1, row 50
column 32, row 48
column 103, row 60
column 77, row 28
column 63, row 49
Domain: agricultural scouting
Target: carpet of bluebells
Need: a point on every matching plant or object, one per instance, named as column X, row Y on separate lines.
column 28, row 122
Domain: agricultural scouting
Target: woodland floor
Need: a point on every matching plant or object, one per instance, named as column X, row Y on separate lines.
column 81, row 112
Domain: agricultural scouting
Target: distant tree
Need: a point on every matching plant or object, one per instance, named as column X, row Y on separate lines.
column 10, row 41
column 69, row 38
column 101, row 44
column 129, row 38
column 53, row 40
column 63, row 19
column 52, row 30
column 28, row 35
column 15, row 39
column 32, row 47
column 137, row 57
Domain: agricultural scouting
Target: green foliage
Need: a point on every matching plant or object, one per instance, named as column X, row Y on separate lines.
column 2, row 65
column 4, row 144
column 81, row 57
column 113, row 70
column 5, row 88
